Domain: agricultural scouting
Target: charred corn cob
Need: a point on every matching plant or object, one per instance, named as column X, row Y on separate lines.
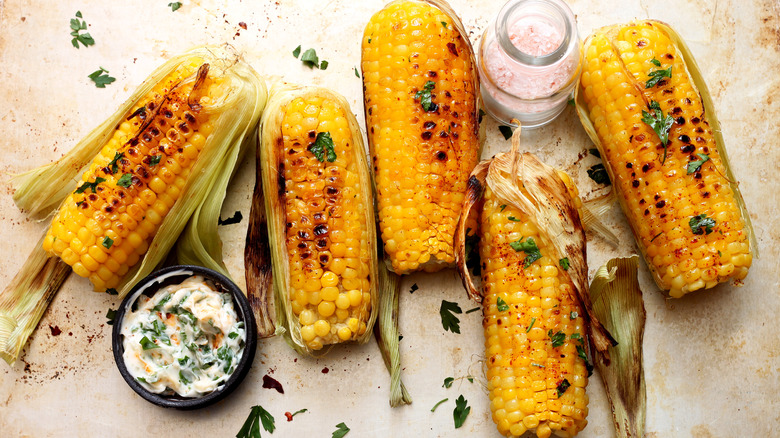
column 320, row 215
column 640, row 85
column 536, row 309
column 421, row 107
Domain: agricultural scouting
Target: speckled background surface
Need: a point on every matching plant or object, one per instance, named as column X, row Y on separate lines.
column 712, row 359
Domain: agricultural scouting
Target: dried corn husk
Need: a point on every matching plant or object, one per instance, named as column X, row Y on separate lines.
column 617, row 301
column 41, row 190
column 709, row 109
column 274, row 202
column 524, row 182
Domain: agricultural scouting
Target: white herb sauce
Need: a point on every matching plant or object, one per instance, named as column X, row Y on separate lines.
column 186, row 339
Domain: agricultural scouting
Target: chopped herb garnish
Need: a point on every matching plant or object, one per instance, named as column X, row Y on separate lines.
column 114, row 164
column 655, row 62
column 562, row 387
column 461, row 411
column 174, row 6
column 141, row 379
column 110, row 315
column 694, row 166
column 323, row 147
column 112, row 291
column 147, row 344
column 433, row 409
column 324, row 65
column 251, row 427
column 659, row 122
column 657, row 75
column 299, row 411
column 90, row 185
column 557, row 339
column 108, row 242
column 513, row 219
column 599, row 174
column 425, row 96
column 564, row 262
column 357, row 74
column 472, row 253
column 701, row 224
column 184, row 360
column 656, row 236
column 296, row 52
column 501, row 305
column 530, row 249
column 573, row 315
column 101, row 78
column 538, row 365
column 154, row 160
column 232, row 335
column 595, row 152
column 76, row 26
column 125, row 180
column 236, row 218
column 531, row 325
column 310, row 59
column 341, row 430
column 506, row 131
column 444, row 23
column 576, row 336
column 448, row 382
column 584, row 356
column 448, row 320
column 571, row 102
column 414, row 288
column 502, row 207
column 472, row 310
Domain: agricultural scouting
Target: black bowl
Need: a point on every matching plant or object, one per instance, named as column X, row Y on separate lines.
column 174, row 275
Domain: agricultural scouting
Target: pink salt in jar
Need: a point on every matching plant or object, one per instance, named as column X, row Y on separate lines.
column 529, row 62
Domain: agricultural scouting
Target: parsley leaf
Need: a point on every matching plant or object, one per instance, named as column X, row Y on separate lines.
column 310, row 58
column 599, row 174
column 448, row 382
column 108, row 242
column 76, row 26
column 501, row 305
column 573, row 315
column 90, row 185
column 323, row 145
column 357, row 74
column 236, row 218
column 502, row 207
column 659, row 122
column 296, row 52
column 655, row 62
column 154, row 160
column 114, row 164
column 101, row 78
column 557, row 338
column 461, row 411
column 657, row 75
column 448, row 320
column 506, row 131
column 562, row 387
column 125, row 180
column 564, row 262
column 174, row 6
column 251, row 427
column 324, row 65
column 584, row 356
column 701, row 224
column 425, row 96
column 531, row 325
column 694, row 166
column 513, row 219
column 532, row 252
column 147, row 344
column 111, row 315
column 444, row 23
column 433, row 409
column 341, row 430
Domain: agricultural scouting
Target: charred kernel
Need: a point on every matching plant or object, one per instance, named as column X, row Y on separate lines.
column 669, row 56
column 331, row 191
column 426, row 135
column 324, row 259
column 705, row 195
column 684, row 138
column 134, row 142
column 640, row 137
column 146, row 137
column 688, row 148
column 441, row 156
column 455, row 114
column 443, row 134
column 641, row 201
column 697, row 175
column 660, row 204
column 695, row 120
column 635, row 183
column 429, row 125
column 700, row 140
column 167, row 113
column 647, row 166
column 312, row 135
column 641, row 43
column 656, row 197
column 320, row 230
column 303, row 235
column 448, row 94
column 305, row 255
column 452, row 48
column 322, row 243
column 154, row 131
column 663, row 215
column 676, row 111
column 629, row 165
column 680, row 120
column 151, row 106
column 431, row 74
column 647, row 212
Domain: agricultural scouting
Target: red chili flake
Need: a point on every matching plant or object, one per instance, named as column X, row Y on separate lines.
column 242, row 25
column 325, row 370
column 452, row 48
column 55, row 331
column 271, row 383
column 288, row 415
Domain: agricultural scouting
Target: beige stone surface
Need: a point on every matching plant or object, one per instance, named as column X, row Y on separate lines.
column 712, row 359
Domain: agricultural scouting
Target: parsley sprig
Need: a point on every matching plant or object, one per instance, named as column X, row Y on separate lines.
column 251, row 427
column 76, row 26
column 659, row 122
column 701, row 224
column 694, row 166
column 657, row 75
column 101, row 78
column 341, row 430
column 461, row 411
column 323, row 147
column 425, row 97
column 449, row 321
column 530, row 249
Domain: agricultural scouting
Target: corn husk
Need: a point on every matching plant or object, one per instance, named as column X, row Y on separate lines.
column 274, row 201
column 386, row 334
column 709, row 114
column 236, row 115
column 617, row 301
column 536, row 189
column 593, row 210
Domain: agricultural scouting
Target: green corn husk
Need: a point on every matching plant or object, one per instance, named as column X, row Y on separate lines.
column 274, row 202
column 386, row 333
column 41, row 190
column 617, row 301
column 709, row 110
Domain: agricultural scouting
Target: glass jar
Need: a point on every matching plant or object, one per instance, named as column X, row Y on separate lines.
column 529, row 62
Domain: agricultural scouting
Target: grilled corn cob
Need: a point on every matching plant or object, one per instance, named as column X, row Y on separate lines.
column 320, row 217
column 421, row 105
column 680, row 198
column 536, row 309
